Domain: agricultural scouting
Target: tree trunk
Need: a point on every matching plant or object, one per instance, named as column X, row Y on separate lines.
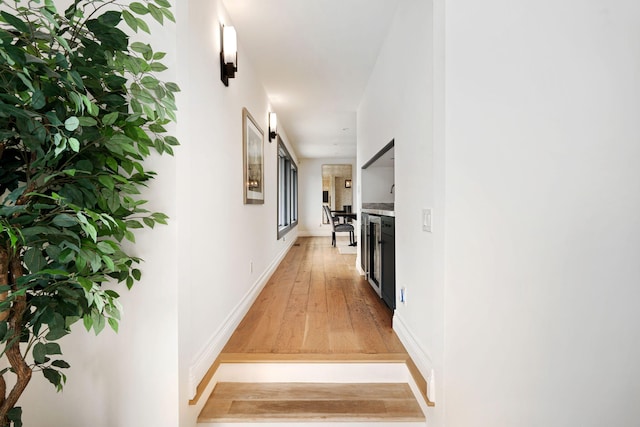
column 13, row 353
column 4, row 280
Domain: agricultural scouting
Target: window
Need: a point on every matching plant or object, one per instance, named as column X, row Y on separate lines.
column 287, row 191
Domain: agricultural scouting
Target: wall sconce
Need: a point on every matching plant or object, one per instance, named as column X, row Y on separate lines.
column 273, row 126
column 228, row 55
column 347, row 183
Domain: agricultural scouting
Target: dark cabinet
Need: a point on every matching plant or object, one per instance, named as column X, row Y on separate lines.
column 388, row 261
column 378, row 255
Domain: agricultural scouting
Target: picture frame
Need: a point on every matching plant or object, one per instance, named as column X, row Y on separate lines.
column 253, row 159
column 347, row 183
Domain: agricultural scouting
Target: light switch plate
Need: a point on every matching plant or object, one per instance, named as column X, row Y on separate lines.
column 426, row 220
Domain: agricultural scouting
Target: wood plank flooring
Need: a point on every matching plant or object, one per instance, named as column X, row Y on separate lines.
column 315, row 308
column 287, row 402
column 316, row 303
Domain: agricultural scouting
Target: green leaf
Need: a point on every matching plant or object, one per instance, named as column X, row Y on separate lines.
column 154, row 127
column 93, row 109
column 107, row 181
column 53, row 376
column 60, row 364
column 77, row 101
column 64, row 220
column 56, row 334
column 129, row 236
column 163, row 3
column 158, row 67
column 113, row 323
column 130, row 20
column 15, row 414
column 90, row 230
column 26, row 81
column 113, row 201
column 81, row 263
column 39, row 353
column 106, row 247
column 110, row 18
column 136, row 107
column 143, row 26
column 38, row 100
column 53, row 119
column 168, row 14
column 108, row 262
column 52, row 348
column 17, row 23
column 34, row 260
column 149, row 82
column 87, row 121
column 110, row 118
column 171, row 141
column 172, row 87
column 112, row 163
column 155, row 12
column 67, row 255
column 98, row 323
column 138, row 8
column 71, row 123
column 77, row 79
column 74, row 144
column 137, row 274
column 87, row 320
column 140, row 47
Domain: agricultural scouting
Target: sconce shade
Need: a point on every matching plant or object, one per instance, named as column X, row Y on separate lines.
column 229, row 45
column 273, row 126
column 228, row 55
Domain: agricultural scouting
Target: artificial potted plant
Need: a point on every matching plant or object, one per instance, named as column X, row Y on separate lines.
column 80, row 108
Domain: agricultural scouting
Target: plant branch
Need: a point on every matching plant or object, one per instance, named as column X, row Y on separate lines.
column 3, row 389
column 4, row 280
column 82, row 24
column 15, row 357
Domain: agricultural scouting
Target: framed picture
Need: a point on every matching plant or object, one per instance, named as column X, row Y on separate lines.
column 347, row 183
column 253, row 159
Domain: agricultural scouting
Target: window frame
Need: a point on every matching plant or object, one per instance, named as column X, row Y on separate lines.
column 287, row 216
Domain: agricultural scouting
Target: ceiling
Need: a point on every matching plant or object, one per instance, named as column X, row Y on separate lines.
column 314, row 58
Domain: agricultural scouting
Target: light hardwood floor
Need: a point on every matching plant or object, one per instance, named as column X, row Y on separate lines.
column 291, row 402
column 316, row 306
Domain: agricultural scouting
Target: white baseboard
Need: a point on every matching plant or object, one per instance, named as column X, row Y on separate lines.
column 419, row 356
column 216, row 343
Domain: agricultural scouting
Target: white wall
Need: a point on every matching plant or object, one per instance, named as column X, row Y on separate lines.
column 201, row 271
column 222, row 237
column 531, row 168
column 400, row 107
column 310, row 194
column 543, row 194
